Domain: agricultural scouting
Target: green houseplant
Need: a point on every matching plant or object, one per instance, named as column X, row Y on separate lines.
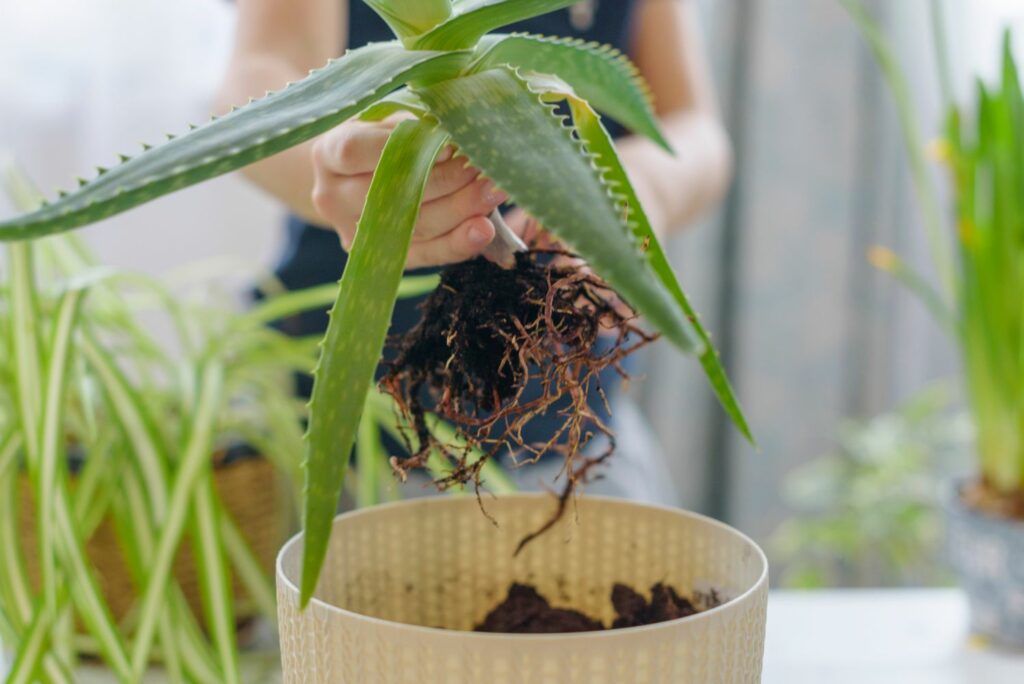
column 978, row 301
column 127, row 412
column 462, row 86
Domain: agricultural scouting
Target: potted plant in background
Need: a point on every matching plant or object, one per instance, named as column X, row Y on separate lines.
column 126, row 403
column 980, row 302
column 462, row 86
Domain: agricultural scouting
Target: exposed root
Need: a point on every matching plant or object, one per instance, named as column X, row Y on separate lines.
column 487, row 332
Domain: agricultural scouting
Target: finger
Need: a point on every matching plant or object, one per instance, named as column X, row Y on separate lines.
column 466, row 241
column 448, row 177
column 353, row 148
column 479, row 198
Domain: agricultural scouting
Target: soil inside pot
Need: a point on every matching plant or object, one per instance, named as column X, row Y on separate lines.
column 983, row 497
column 485, row 333
column 526, row 611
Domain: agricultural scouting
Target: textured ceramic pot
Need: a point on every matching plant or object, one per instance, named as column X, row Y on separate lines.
column 988, row 554
column 403, row 584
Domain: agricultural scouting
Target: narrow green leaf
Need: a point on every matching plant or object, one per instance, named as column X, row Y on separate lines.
column 600, row 144
column 30, row 650
column 48, row 468
column 214, row 578
column 927, row 194
column 183, row 644
column 14, row 585
column 370, row 455
column 281, row 120
column 550, row 175
column 258, row 585
column 291, row 303
column 133, row 418
column 599, row 74
column 474, row 18
column 358, row 326
column 197, row 454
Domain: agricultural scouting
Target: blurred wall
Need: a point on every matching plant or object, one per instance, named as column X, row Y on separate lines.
column 81, row 81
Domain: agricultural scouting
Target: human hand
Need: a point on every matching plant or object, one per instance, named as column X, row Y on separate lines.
column 452, row 225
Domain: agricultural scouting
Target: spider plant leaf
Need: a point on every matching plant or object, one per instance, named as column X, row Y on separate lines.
column 258, row 585
column 180, row 635
column 196, row 456
column 924, row 187
column 135, row 421
column 600, row 144
column 54, row 496
column 214, row 578
column 474, row 18
column 14, row 584
column 358, row 325
column 322, row 100
column 551, row 176
column 599, row 74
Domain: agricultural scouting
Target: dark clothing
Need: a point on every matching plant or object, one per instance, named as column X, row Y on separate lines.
column 313, row 256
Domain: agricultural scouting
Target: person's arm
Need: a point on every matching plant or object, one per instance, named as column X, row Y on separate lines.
column 326, row 180
column 667, row 49
column 276, row 43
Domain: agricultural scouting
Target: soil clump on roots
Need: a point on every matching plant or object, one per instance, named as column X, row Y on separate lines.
column 526, row 611
column 486, row 333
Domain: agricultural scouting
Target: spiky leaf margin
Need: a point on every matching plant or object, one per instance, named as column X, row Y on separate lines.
column 599, row 74
column 303, row 110
column 549, row 173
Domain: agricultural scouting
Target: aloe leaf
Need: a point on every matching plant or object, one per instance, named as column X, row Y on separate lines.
column 281, row 120
column 474, row 18
column 358, row 325
column 196, row 456
column 550, row 175
column 599, row 74
column 601, row 146
column 214, row 578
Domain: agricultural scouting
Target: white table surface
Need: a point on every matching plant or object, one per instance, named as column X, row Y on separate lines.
column 886, row 636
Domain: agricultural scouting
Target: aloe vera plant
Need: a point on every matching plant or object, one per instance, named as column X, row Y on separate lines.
column 492, row 97
column 978, row 297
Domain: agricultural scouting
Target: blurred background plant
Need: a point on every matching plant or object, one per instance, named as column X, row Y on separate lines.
column 868, row 512
column 150, row 439
column 977, row 248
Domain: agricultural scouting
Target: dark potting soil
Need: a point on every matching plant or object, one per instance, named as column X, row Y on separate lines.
column 525, row 611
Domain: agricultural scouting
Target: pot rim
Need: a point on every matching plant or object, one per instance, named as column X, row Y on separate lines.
column 731, row 604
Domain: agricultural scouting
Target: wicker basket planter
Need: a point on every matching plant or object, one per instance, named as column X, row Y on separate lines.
column 404, row 582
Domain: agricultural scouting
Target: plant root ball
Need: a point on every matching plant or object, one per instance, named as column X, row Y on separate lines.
column 485, row 333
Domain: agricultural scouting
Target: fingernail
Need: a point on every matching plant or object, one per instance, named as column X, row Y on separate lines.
column 494, row 195
column 479, row 234
column 446, row 154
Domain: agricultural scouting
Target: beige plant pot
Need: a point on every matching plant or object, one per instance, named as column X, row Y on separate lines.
column 397, row 574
